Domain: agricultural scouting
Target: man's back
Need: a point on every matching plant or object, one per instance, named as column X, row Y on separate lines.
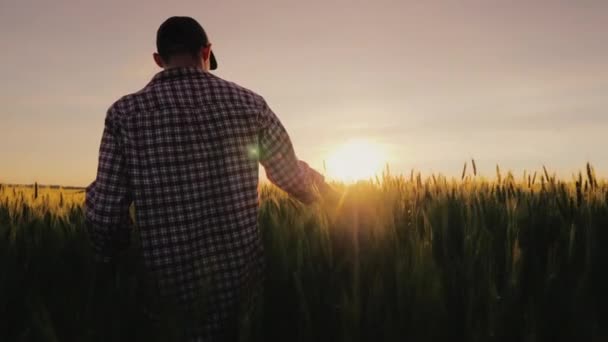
column 185, row 150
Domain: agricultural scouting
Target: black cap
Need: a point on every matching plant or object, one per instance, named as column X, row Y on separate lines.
column 182, row 35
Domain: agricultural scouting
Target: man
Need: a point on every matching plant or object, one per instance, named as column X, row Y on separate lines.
column 185, row 151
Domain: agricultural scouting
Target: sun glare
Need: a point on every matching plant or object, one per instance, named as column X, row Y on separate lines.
column 356, row 160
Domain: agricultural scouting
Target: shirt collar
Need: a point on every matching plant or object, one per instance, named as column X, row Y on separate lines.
column 175, row 73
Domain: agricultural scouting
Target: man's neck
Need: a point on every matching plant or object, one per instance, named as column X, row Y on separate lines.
column 183, row 62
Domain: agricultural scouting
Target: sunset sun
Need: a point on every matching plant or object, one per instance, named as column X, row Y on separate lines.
column 355, row 160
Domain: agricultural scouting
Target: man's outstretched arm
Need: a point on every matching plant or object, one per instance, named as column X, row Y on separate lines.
column 280, row 162
column 108, row 198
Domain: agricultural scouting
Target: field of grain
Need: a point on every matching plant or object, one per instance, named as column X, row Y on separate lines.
column 397, row 259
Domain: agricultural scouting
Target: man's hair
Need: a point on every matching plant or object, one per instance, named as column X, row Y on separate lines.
column 180, row 35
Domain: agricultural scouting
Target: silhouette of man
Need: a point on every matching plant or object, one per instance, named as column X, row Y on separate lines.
column 185, row 151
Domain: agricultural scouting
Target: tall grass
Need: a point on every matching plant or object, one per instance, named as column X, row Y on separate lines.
column 418, row 259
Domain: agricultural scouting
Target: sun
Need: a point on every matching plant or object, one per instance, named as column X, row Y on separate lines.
column 356, row 160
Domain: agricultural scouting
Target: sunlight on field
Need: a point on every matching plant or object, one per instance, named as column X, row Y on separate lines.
column 356, row 160
column 59, row 200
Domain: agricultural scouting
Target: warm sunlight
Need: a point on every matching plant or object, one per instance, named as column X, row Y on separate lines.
column 355, row 160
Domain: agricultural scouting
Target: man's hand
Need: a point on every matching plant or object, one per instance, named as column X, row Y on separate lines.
column 329, row 194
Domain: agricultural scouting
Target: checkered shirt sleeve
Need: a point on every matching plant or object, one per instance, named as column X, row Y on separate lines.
column 280, row 162
column 108, row 197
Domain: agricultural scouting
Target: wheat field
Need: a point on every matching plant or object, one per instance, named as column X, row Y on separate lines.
column 399, row 258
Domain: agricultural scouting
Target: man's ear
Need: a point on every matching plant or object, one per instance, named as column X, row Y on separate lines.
column 159, row 60
column 206, row 54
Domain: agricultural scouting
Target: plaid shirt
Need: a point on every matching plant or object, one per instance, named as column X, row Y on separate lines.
column 185, row 150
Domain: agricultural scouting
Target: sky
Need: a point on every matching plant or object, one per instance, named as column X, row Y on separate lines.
column 516, row 83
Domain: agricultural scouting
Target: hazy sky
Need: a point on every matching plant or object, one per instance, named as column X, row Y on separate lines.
column 519, row 83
